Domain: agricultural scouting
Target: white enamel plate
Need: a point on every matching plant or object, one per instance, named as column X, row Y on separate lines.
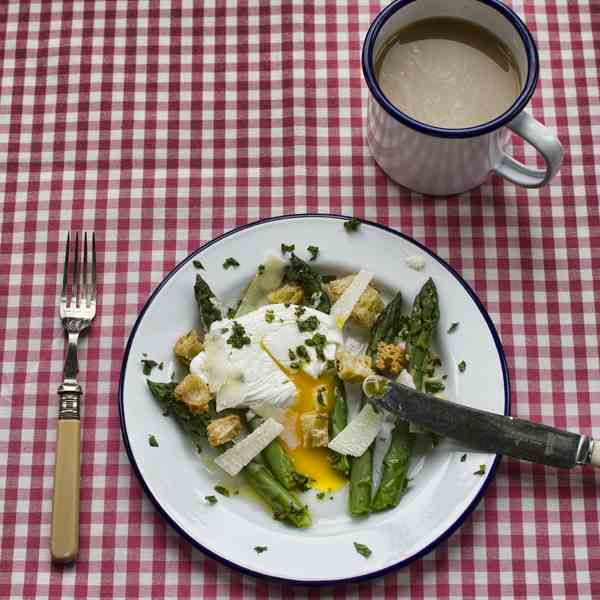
column 443, row 489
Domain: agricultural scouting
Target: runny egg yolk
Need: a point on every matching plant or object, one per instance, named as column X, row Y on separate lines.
column 313, row 462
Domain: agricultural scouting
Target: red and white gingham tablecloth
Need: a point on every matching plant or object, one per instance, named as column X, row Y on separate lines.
column 160, row 126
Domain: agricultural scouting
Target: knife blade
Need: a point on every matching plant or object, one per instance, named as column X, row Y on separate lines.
column 486, row 431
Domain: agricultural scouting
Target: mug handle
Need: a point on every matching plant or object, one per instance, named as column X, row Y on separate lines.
column 545, row 142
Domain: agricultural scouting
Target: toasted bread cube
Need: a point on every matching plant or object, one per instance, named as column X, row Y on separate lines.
column 369, row 305
column 287, row 294
column 195, row 393
column 223, row 430
column 353, row 367
column 315, row 429
column 187, row 346
column 390, row 357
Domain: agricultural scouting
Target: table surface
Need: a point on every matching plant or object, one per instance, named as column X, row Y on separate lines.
column 161, row 127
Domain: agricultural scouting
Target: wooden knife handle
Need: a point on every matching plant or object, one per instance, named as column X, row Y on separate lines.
column 65, row 505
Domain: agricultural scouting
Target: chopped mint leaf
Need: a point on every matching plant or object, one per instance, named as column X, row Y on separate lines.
column 230, row 262
column 330, row 364
column 238, row 338
column 230, row 313
column 434, row 387
column 352, row 225
column 291, row 354
column 480, row 471
column 303, row 354
column 261, row 269
column 221, row 489
column 453, row 328
column 321, row 396
column 313, row 251
column 462, row 365
column 198, row 265
column 318, row 341
column 287, row 248
column 199, row 448
column 211, row 499
column 321, row 495
column 269, row 316
column 153, row 441
column 362, row 549
column 463, row 458
column 299, row 311
column 161, row 366
column 148, row 365
column 260, row 549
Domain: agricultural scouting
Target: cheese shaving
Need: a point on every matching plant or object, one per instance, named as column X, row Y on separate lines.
column 342, row 309
column 236, row 458
column 359, row 434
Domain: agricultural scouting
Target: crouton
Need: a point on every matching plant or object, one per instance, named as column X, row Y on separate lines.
column 223, row 430
column 352, row 367
column 193, row 392
column 315, row 429
column 187, row 346
column 369, row 305
column 390, row 357
column 287, row 294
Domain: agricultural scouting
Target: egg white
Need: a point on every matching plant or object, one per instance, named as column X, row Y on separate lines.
column 253, row 374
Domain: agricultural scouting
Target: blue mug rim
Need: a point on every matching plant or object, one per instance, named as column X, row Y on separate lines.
column 466, row 132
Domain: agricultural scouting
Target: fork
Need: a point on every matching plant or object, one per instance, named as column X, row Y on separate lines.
column 77, row 309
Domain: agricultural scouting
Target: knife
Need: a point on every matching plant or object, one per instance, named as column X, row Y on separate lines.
column 484, row 430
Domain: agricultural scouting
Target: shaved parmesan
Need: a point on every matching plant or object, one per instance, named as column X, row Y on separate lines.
column 232, row 461
column 286, row 417
column 267, row 281
column 405, row 378
column 416, row 262
column 342, row 309
column 356, row 437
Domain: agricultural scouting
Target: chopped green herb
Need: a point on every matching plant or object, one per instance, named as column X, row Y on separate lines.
column 463, row 458
column 453, row 328
column 236, row 492
column 198, row 265
column 199, row 448
column 480, row 471
column 230, row 262
column 352, row 225
column 221, row 489
column 269, row 316
column 328, row 278
column 261, row 269
column 291, row 354
column 295, row 366
column 286, row 305
column 299, row 311
column 313, row 251
column 260, row 549
column 153, row 441
column 321, row 495
column 309, row 324
column 318, row 341
column 224, row 329
column 238, row 338
column 161, row 366
column 303, row 354
column 462, row 365
column 211, row 499
column 362, row 549
column 321, row 396
column 330, row 364
column 287, row 248
column 434, row 387
column 230, row 313
column 147, row 365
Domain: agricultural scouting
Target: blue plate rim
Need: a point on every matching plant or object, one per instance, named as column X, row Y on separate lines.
column 312, row 583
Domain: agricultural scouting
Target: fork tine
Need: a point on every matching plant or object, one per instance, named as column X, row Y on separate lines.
column 75, row 271
column 93, row 286
column 63, row 294
column 84, row 275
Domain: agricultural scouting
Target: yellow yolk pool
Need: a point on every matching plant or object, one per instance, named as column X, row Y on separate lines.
column 313, row 462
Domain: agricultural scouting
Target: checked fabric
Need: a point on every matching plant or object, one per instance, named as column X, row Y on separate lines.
column 161, row 125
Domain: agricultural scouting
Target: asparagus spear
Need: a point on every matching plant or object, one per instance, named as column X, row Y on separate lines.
column 300, row 273
column 205, row 299
column 423, row 321
column 339, row 420
column 280, row 463
column 395, row 469
column 385, row 329
column 285, row 505
column 387, row 326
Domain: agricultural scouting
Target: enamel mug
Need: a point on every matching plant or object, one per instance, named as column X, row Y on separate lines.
column 439, row 161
